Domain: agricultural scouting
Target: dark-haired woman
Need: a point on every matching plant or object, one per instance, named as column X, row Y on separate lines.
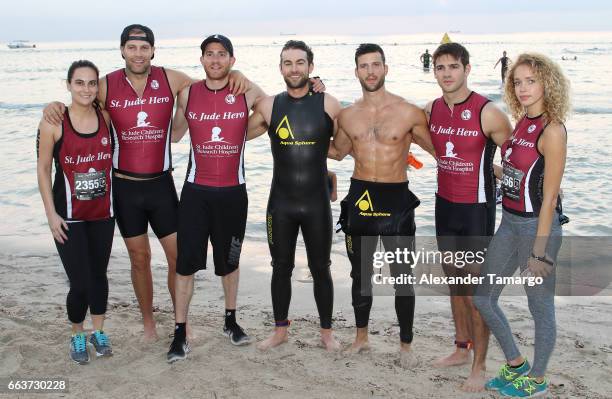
column 78, row 205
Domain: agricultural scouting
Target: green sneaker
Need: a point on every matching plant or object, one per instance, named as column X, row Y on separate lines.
column 507, row 375
column 78, row 348
column 525, row 387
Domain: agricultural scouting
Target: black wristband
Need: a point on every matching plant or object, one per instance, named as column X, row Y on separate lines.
column 542, row 259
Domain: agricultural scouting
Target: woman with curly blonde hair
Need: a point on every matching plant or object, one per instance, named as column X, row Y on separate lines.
column 556, row 88
column 529, row 236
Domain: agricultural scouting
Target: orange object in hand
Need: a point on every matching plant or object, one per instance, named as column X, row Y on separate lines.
column 412, row 161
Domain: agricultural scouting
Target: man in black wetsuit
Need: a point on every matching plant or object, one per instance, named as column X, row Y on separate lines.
column 504, row 66
column 300, row 124
column 425, row 59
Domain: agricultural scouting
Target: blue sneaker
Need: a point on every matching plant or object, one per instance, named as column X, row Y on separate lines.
column 507, row 375
column 78, row 348
column 525, row 387
column 101, row 343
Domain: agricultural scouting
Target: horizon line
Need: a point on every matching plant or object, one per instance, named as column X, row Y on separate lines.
column 451, row 32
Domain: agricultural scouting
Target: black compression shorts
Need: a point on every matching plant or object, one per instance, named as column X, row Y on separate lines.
column 140, row 202
column 464, row 227
column 216, row 212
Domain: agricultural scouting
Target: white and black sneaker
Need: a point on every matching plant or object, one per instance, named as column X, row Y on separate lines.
column 178, row 350
column 236, row 335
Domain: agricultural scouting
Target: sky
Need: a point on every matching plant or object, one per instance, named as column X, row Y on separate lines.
column 69, row 20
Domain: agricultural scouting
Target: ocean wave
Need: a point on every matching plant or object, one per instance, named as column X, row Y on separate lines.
column 592, row 110
column 10, row 106
column 593, row 50
column 493, row 96
column 34, row 70
column 75, row 50
column 597, row 50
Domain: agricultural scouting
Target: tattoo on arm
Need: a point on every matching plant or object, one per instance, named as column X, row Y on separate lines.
column 38, row 144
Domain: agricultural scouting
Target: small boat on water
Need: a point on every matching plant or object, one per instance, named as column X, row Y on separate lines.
column 21, row 44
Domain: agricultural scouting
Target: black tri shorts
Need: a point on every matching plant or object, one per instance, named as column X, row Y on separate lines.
column 464, row 227
column 373, row 209
column 218, row 213
column 140, row 202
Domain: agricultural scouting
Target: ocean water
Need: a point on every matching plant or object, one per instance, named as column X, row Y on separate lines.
column 31, row 78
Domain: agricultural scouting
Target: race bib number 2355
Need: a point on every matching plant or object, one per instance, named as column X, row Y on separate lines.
column 90, row 185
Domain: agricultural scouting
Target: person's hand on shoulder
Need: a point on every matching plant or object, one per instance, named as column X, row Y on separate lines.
column 317, row 85
column 238, row 83
column 53, row 113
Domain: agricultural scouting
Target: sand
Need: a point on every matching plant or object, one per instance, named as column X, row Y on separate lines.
column 34, row 338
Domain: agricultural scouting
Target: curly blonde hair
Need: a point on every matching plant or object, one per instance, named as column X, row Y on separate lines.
column 556, row 87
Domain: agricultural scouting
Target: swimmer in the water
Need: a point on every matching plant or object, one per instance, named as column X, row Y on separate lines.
column 505, row 61
column 426, row 59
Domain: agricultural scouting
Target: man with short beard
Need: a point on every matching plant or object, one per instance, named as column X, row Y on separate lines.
column 300, row 125
column 378, row 130
column 214, row 198
column 140, row 101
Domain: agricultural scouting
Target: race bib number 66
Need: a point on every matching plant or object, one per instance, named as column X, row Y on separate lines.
column 511, row 183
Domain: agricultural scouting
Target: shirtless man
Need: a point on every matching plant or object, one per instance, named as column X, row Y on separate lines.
column 140, row 101
column 300, row 125
column 465, row 129
column 378, row 130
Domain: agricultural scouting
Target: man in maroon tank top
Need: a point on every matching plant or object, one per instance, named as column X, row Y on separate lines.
column 140, row 100
column 214, row 199
column 466, row 129
column 213, row 203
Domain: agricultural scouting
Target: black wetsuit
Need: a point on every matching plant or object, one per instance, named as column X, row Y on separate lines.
column 426, row 58
column 300, row 132
column 504, row 67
